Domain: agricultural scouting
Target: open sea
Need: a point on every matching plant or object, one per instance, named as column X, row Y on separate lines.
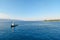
column 30, row 30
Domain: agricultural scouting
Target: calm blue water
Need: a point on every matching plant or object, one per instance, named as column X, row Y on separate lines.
column 30, row 31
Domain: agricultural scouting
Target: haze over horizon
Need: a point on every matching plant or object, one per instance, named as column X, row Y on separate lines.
column 30, row 9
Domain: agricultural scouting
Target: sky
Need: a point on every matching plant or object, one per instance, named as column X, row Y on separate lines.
column 30, row 9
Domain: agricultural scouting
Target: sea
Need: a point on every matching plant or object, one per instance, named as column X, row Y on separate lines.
column 30, row 30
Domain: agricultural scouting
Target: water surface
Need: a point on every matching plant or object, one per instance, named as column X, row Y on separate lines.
column 30, row 30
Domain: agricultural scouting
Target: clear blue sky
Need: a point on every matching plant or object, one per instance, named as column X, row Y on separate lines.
column 30, row 8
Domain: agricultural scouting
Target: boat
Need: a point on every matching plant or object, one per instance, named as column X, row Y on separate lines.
column 13, row 24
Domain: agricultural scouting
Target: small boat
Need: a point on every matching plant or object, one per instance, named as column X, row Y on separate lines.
column 13, row 24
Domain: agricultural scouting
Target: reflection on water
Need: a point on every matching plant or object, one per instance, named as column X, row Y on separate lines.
column 13, row 29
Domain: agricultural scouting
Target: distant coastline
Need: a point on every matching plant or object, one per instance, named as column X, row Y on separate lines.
column 52, row 20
